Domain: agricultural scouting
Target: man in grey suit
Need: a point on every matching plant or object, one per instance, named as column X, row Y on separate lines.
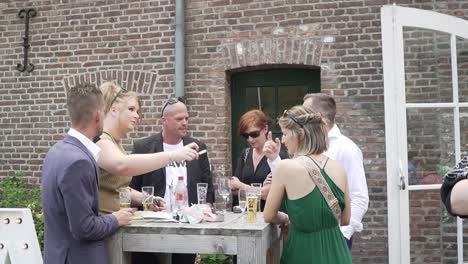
column 74, row 233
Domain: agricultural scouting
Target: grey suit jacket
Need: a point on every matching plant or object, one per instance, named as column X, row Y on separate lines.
column 74, row 233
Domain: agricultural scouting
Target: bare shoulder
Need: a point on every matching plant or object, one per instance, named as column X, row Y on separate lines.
column 288, row 168
column 105, row 143
column 337, row 173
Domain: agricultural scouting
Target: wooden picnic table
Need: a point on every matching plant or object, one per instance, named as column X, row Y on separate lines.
column 233, row 236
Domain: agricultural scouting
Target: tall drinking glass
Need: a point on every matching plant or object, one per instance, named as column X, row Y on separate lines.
column 202, row 189
column 258, row 189
column 242, row 199
column 252, row 205
column 148, row 196
column 124, row 197
column 224, row 189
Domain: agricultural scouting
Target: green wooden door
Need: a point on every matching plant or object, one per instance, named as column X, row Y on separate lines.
column 272, row 91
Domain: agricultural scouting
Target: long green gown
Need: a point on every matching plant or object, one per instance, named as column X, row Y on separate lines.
column 314, row 236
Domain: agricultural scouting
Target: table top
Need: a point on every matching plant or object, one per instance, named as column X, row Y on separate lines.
column 233, row 224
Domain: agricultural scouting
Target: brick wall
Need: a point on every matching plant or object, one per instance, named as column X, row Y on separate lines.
column 133, row 42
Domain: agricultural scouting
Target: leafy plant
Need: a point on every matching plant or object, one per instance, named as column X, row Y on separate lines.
column 14, row 193
column 215, row 259
column 442, row 169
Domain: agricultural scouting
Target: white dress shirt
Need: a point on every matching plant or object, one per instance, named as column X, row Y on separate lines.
column 93, row 148
column 344, row 150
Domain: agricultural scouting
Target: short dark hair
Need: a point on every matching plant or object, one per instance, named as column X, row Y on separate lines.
column 83, row 100
column 323, row 104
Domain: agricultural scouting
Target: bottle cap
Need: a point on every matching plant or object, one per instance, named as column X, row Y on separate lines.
column 181, row 178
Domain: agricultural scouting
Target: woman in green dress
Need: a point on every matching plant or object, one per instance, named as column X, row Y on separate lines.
column 311, row 228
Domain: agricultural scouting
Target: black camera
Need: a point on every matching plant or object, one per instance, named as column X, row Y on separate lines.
column 460, row 172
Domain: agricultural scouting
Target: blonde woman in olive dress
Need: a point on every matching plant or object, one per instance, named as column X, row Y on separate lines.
column 122, row 114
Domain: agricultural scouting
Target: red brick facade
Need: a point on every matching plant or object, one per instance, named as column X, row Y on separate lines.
column 133, row 42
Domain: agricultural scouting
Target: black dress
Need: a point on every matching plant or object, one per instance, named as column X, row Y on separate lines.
column 246, row 174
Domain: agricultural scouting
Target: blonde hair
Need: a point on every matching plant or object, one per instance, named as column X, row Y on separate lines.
column 113, row 93
column 315, row 139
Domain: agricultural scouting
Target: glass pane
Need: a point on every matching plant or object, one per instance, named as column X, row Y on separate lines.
column 462, row 61
column 431, row 148
column 428, row 75
column 262, row 98
column 433, row 232
column 288, row 96
column 464, row 131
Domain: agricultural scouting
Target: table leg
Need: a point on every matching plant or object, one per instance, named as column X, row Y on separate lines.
column 274, row 252
column 115, row 250
column 251, row 250
column 165, row 258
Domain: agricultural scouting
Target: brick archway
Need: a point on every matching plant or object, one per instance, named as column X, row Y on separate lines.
column 274, row 51
column 141, row 82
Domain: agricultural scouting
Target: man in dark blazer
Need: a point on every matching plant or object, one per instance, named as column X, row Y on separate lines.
column 174, row 135
column 74, row 233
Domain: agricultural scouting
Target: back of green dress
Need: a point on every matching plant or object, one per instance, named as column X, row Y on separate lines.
column 314, row 236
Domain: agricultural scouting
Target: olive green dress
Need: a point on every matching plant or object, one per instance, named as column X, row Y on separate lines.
column 315, row 236
column 109, row 184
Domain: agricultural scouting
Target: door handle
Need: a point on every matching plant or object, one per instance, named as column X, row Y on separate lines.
column 401, row 175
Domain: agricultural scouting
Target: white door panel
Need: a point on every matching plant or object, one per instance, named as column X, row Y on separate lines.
column 425, row 58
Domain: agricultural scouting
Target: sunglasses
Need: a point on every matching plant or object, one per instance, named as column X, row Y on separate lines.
column 286, row 114
column 253, row 134
column 171, row 101
column 121, row 91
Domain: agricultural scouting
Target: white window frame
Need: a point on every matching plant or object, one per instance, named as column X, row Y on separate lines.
column 394, row 18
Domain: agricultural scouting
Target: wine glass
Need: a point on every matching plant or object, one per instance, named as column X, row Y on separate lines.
column 224, row 189
column 242, row 199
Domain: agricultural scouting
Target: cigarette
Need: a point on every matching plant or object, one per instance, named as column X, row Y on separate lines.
column 201, row 152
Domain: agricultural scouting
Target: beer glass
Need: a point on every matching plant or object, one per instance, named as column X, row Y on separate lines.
column 148, row 196
column 124, row 197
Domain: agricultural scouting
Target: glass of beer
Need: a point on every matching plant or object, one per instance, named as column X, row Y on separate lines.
column 258, row 188
column 124, row 197
column 148, row 196
column 252, row 205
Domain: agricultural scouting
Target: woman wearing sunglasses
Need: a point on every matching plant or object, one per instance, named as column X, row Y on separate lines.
column 122, row 114
column 254, row 163
column 315, row 191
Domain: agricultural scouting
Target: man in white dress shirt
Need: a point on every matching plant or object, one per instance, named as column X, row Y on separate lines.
column 344, row 150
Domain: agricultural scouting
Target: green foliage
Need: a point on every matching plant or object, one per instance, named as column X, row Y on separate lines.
column 215, row 259
column 442, row 170
column 15, row 194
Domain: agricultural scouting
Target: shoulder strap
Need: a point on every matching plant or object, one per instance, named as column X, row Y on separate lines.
column 325, row 163
column 323, row 186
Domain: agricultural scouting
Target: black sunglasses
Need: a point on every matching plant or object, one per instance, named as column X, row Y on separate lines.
column 286, row 114
column 253, row 134
column 121, row 91
column 171, row 101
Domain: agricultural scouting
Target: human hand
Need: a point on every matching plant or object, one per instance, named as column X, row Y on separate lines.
column 268, row 179
column 271, row 149
column 236, row 184
column 158, row 204
column 284, row 226
column 188, row 152
column 124, row 216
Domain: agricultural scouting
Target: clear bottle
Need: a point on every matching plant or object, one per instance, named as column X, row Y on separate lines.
column 181, row 197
